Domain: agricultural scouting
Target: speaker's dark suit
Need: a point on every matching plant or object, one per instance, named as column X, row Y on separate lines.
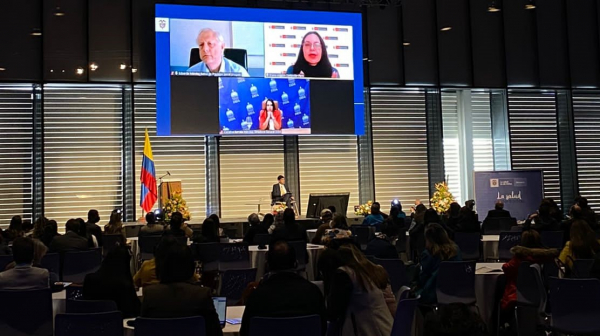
column 276, row 195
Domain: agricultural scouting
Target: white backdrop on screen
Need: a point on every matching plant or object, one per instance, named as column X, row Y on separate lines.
column 282, row 45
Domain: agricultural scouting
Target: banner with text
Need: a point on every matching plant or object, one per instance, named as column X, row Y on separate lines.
column 521, row 191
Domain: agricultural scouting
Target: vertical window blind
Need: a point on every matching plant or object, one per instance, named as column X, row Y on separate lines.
column 399, row 146
column 451, row 134
column 16, row 152
column 328, row 164
column 483, row 151
column 249, row 167
column 82, row 151
column 183, row 157
column 586, row 113
column 534, row 136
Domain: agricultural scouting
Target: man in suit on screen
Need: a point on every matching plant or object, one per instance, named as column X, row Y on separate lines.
column 281, row 193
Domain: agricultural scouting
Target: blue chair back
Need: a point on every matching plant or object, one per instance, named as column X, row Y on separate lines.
column 110, row 241
column 527, row 291
column 132, row 230
column 234, row 282
column 4, row 261
column 147, row 245
column 234, row 256
column 493, row 226
column 553, row 239
column 401, row 242
column 74, row 292
column 77, row 264
column 456, row 282
column 363, row 234
column 575, row 305
column 396, row 270
column 74, row 306
column 288, row 326
column 51, row 262
column 26, row 312
column 98, row 324
column 301, row 252
column 508, row 240
column 170, row 326
column 581, row 268
column 405, row 314
column 208, row 254
column 468, row 243
column 261, row 239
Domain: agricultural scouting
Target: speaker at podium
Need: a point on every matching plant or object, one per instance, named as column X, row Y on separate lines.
column 166, row 189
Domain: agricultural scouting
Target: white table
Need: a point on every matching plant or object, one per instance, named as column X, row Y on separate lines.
column 229, row 330
column 258, row 259
column 59, row 301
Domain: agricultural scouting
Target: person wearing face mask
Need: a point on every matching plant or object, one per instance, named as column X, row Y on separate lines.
column 270, row 116
column 312, row 59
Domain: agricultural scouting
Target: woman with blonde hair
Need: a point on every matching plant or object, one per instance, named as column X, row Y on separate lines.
column 115, row 225
column 359, row 298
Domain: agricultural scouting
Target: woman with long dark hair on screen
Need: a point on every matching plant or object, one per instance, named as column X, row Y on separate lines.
column 270, row 116
column 312, row 58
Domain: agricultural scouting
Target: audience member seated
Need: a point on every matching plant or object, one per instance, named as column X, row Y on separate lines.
column 375, row 217
column 113, row 282
column 455, row 319
column 438, row 248
column 175, row 296
column 467, row 221
column 555, row 211
column 175, row 226
column 4, row 249
column 83, row 232
column 38, row 227
column 50, row 231
column 290, row 231
column 215, row 218
column 588, row 214
column 582, row 244
column 15, row 229
column 542, row 220
column 39, row 251
column 70, row 241
column 325, row 224
column 256, row 227
column 27, row 228
column 209, row 233
column 151, row 227
column 417, row 232
column 398, row 216
column 339, row 230
column 359, row 300
column 332, row 209
column 498, row 211
column 115, row 225
column 92, row 225
column 383, row 246
column 268, row 220
column 282, row 292
column 24, row 276
column 453, row 216
column 530, row 250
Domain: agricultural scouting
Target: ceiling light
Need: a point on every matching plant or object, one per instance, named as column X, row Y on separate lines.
column 123, row 66
column 406, row 44
column 446, row 28
column 492, row 8
column 36, row 32
column 2, row 69
column 530, row 5
column 93, row 66
column 134, row 70
column 58, row 12
column 79, row 71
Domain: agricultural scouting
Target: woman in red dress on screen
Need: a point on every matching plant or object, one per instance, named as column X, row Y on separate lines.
column 270, row 116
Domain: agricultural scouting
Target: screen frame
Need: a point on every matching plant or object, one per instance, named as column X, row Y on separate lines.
column 193, row 12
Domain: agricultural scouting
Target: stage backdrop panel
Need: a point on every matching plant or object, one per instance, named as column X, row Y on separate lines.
column 521, row 191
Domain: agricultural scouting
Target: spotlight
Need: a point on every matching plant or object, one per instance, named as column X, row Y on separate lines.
column 395, row 202
column 492, row 8
column 530, row 5
column 2, row 69
column 93, row 66
column 134, row 70
column 446, row 28
column 79, row 71
column 117, row 211
column 58, row 12
column 406, row 44
column 36, row 32
column 123, row 66
column 159, row 215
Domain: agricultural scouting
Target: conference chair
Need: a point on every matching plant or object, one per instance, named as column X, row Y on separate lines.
column 531, row 299
column 208, row 254
column 507, row 241
column 363, row 234
column 261, row 239
column 132, row 230
column 233, row 256
column 301, row 254
column 51, row 262
column 74, row 306
column 493, row 226
column 234, row 282
column 456, row 282
column 396, row 271
column 401, row 243
column 147, row 245
column 95, row 324
column 553, row 239
column 575, row 305
column 77, row 264
column 170, row 326
column 4, row 261
column 239, row 56
column 288, row 326
column 468, row 243
column 581, row 268
column 110, row 241
column 405, row 315
column 27, row 312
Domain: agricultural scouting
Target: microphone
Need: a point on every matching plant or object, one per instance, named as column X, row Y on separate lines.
column 168, row 173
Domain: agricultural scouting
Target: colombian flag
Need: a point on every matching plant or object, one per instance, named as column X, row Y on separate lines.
column 148, row 178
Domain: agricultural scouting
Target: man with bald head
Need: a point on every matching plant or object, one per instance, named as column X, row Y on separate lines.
column 498, row 211
column 211, row 46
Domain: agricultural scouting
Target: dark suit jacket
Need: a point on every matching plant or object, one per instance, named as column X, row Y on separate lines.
column 99, row 286
column 284, row 294
column 181, row 300
column 498, row 213
column 70, row 241
column 276, row 193
column 95, row 231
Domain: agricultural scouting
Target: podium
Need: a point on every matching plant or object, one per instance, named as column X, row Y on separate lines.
column 166, row 189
